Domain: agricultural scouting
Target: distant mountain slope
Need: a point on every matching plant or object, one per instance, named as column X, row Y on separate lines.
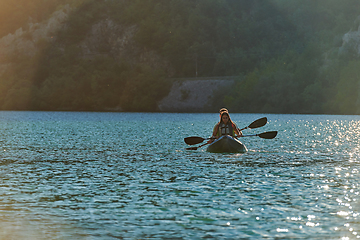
column 116, row 55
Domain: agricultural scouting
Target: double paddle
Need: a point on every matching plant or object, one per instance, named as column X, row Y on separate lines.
column 256, row 124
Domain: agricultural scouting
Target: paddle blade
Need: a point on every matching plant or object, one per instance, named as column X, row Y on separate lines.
column 193, row 140
column 258, row 123
column 268, row 135
column 192, row 148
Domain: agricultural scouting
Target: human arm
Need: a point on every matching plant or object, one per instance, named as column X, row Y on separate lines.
column 215, row 130
column 237, row 131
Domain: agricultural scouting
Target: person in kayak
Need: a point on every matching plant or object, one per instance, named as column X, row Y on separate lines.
column 220, row 112
column 225, row 127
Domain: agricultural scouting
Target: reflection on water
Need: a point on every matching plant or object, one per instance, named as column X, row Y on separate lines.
column 128, row 175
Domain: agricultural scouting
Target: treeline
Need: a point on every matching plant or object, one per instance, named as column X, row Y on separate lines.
column 318, row 79
column 61, row 77
column 284, row 52
column 219, row 37
column 18, row 14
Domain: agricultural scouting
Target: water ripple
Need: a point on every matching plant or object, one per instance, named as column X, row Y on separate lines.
column 128, row 175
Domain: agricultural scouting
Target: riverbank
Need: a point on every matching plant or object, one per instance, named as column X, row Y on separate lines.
column 193, row 94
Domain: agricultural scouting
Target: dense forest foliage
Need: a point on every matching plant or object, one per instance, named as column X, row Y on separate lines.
column 284, row 54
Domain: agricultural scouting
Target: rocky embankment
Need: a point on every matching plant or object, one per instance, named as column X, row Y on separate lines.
column 193, row 95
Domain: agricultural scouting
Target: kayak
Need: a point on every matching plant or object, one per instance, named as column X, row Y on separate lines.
column 226, row 144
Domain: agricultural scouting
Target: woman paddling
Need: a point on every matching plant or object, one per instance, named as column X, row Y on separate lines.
column 225, row 127
column 220, row 112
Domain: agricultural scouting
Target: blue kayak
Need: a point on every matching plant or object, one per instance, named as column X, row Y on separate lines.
column 226, row 144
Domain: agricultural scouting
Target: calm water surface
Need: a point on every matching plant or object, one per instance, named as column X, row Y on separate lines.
column 128, row 176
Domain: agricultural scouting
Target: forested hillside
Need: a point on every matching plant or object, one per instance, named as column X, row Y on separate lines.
column 101, row 55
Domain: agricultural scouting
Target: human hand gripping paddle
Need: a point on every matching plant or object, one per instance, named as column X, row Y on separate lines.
column 256, row 124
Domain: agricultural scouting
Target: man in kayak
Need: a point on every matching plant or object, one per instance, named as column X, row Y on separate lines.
column 225, row 127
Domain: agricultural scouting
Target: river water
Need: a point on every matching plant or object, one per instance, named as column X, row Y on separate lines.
column 80, row 175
